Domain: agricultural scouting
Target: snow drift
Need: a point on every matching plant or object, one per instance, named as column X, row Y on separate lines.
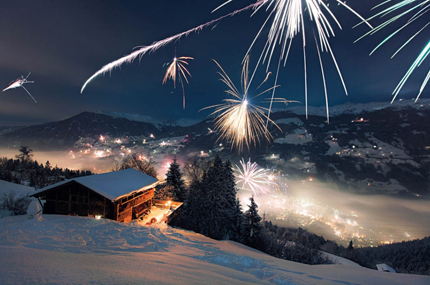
column 77, row 250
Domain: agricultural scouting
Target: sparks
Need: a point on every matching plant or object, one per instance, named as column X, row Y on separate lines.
column 177, row 69
column 253, row 177
column 20, row 83
column 238, row 120
column 278, row 181
column 418, row 8
column 288, row 22
column 141, row 51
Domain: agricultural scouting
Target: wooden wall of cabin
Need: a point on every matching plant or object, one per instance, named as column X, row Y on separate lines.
column 76, row 199
column 133, row 206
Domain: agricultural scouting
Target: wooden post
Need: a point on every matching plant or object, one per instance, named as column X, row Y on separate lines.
column 70, row 199
column 104, row 208
column 88, row 203
column 117, row 211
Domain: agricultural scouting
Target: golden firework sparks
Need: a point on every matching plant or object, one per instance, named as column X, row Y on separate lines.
column 177, row 69
column 238, row 120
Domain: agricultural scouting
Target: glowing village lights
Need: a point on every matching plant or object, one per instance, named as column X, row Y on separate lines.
column 98, row 217
column 98, row 153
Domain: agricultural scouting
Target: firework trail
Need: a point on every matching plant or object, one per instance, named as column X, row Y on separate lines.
column 177, row 69
column 20, row 83
column 250, row 175
column 288, row 22
column 156, row 45
column 278, row 181
column 416, row 8
column 238, row 120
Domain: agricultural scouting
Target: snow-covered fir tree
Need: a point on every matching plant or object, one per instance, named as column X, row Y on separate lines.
column 210, row 207
column 238, row 222
column 251, row 225
column 174, row 179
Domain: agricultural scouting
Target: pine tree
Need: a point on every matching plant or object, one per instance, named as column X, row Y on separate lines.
column 25, row 158
column 229, row 209
column 251, row 226
column 211, row 207
column 350, row 245
column 193, row 208
column 174, row 179
column 25, row 154
column 238, row 222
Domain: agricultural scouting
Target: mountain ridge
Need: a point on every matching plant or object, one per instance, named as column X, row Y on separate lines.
column 383, row 149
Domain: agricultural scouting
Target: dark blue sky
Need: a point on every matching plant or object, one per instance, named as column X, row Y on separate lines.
column 64, row 42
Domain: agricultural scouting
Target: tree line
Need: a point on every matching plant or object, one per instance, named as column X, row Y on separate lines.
column 24, row 170
column 211, row 208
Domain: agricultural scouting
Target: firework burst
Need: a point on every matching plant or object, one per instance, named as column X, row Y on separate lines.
column 278, row 181
column 20, row 83
column 289, row 21
column 416, row 8
column 237, row 119
column 253, row 177
column 177, row 69
column 141, row 51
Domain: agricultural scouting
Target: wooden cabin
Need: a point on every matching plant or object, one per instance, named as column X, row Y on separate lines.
column 121, row 195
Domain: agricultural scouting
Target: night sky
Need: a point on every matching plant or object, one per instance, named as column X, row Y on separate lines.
column 64, row 42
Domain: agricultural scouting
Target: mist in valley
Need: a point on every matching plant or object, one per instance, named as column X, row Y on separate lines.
column 368, row 220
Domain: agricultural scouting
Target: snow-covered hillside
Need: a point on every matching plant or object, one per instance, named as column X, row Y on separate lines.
column 357, row 108
column 80, row 250
column 6, row 187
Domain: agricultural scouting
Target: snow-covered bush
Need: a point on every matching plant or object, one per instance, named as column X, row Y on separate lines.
column 14, row 203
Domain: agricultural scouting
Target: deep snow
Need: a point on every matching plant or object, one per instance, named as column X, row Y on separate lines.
column 81, row 250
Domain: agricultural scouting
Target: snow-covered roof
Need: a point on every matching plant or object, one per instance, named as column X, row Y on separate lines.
column 6, row 187
column 112, row 185
column 385, row 267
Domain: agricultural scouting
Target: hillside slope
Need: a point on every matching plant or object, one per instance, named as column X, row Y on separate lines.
column 77, row 250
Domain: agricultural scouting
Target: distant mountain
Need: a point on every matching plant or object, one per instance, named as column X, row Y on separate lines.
column 368, row 148
column 147, row 119
column 63, row 134
column 8, row 129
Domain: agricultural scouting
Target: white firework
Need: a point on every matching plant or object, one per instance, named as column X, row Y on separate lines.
column 252, row 177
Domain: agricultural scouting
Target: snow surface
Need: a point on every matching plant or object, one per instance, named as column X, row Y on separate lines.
column 82, row 250
column 21, row 190
column 357, row 108
column 112, row 185
column 298, row 136
column 6, row 188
